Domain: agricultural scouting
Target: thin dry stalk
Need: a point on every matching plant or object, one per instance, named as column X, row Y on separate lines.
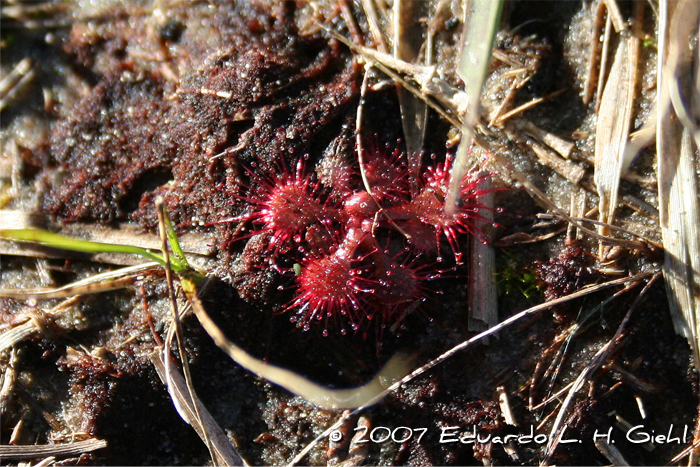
column 639, row 139
column 11, row 85
column 648, row 243
column 504, row 404
column 517, row 83
column 539, row 197
column 446, row 100
column 509, row 417
column 17, row 219
column 350, row 22
column 603, row 62
column 567, row 169
column 594, row 55
column 58, row 450
column 358, row 135
column 204, row 424
column 375, row 28
column 35, row 324
column 351, row 450
column 17, row 334
column 191, row 394
column 562, row 146
column 523, row 107
column 361, row 152
column 614, row 13
column 46, row 462
column 437, row 93
column 98, row 283
column 9, row 378
column 685, row 453
column 336, row 449
column 563, row 343
column 552, row 398
column 610, row 452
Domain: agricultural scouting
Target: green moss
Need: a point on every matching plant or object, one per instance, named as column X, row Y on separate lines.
column 513, row 277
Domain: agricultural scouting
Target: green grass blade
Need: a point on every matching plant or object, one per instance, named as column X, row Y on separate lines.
column 481, row 24
column 179, row 256
column 54, row 240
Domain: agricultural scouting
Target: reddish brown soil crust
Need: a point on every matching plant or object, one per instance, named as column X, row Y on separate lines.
column 565, row 274
column 110, row 145
column 278, row 94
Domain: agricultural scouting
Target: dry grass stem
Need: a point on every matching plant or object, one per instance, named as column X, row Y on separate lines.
column 615, row 15
column 685, row 453
column 678, row 191
column 97, row 283
column 561, row 347
column 517, row 83
column 629, row 245
column 350, row 22
column 607, row 34
column 544, row 201
column 555, row 396
column 75, row 448
column 46, row 462
column 562, row 146
column 16, row 81
column 8, row 379
column 589, row 87
column 612, row 130
column 35, row 323
column 436, row 92
column 17, row 334
column 680, row 219
column 375, row 28
column 509, row 417
column 639, row 139
column 610, row 452
column 483, row 303
column 567, row 169
column 200, row 418
column 18, row 219
column 522, row 108
column 504, row 404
